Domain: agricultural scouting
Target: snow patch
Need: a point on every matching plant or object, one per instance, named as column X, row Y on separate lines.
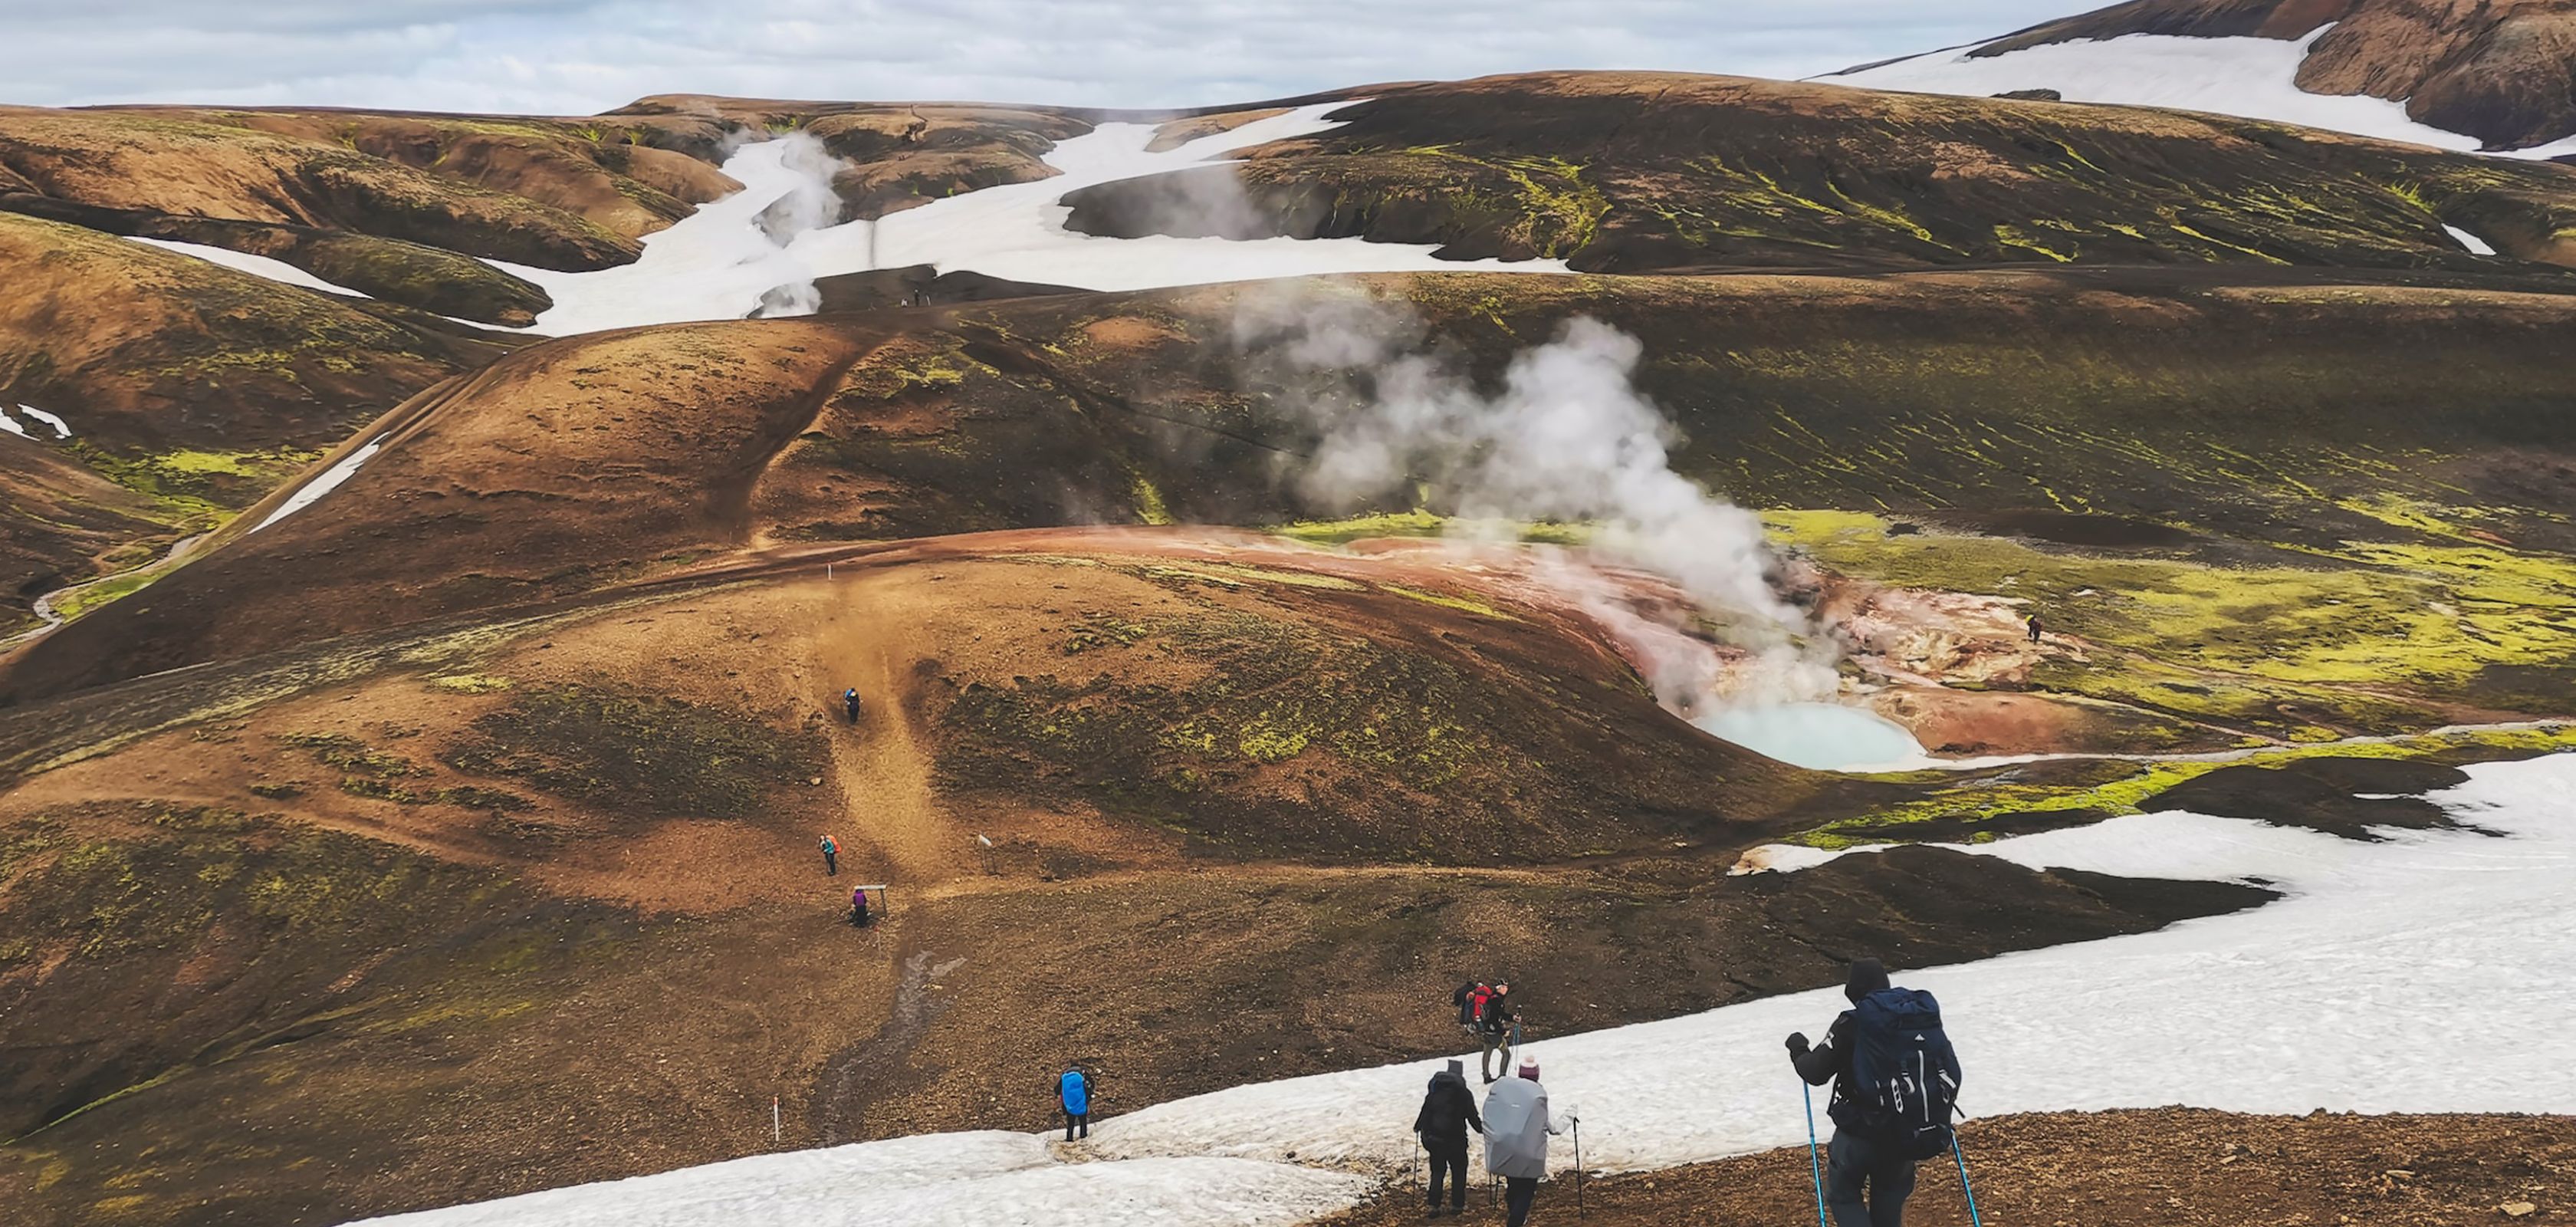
column 2256, row 78
column 2251, row 1012
column 2351, row 993
column 62, row 429
column 329, row 481
column 716, row 263
column 1782, row 858
column 934, row 1180
column 13, row 426
column 257, row 266
column 2476, row 246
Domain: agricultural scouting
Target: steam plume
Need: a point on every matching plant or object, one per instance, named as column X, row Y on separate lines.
column 1567, row 437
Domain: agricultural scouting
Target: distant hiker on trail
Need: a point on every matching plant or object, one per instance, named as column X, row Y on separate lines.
column 1895, row 1079
column 1516, row 1132
column 850, row 703
column 859, row 908
column 1470, row 1000
column 831, row 857
column 1448, row 1112
column 1073, row 1094
column 2034, row 628
column 1496, row 1030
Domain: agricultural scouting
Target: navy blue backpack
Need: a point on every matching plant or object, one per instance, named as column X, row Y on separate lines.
column 1904, row 1075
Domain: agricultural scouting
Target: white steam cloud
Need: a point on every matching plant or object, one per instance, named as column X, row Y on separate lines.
column 1567, row 437
column 810, row 203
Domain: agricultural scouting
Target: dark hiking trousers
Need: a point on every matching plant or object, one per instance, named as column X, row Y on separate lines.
column 1856, row 1160
column 1518, row 1191
column 1451, row 1163
column 831, row 864
column 1073, row 1120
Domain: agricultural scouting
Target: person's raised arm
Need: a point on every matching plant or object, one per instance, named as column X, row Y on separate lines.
column 1818, row 1063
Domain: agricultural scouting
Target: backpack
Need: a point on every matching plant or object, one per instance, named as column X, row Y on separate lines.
column 1477, row 1001
column 1904, row 1074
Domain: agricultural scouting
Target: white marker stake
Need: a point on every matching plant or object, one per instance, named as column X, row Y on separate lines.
column 773, row 1119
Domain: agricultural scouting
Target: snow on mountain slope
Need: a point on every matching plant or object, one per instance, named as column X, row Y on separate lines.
column 936, row 1180
column 2387, row 980
column 716, row 263
column 2251, row 77
column 331, row 479
column 258, row 266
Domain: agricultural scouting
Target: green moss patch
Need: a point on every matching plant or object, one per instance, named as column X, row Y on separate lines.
column 635, row 753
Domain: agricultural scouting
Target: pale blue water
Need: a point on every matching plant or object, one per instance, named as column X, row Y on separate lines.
column 1821, row 736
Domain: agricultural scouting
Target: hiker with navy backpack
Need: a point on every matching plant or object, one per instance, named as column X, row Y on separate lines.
column 1895, row 1080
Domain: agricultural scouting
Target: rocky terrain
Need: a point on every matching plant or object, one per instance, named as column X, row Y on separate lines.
column 2168, row 1166
column 449, row 833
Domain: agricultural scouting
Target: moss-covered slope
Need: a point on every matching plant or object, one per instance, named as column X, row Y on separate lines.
column 1645, row 172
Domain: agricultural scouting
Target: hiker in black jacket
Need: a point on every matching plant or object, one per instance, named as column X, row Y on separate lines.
column 1855, row 1157
column 1448, row 1112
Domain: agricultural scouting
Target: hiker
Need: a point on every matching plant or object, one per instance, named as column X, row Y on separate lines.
column 2034, row 628
column 1895, row 1079
column 850, row 703
column 1516, row 1132
column 859, row 908
column 1448, row 1112
column 1494, row 1023
column 831, row 857
column 1073, row 1094
column 1470, row 1000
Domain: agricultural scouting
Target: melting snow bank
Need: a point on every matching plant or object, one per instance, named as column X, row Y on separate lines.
column 936, row 1180
column 2476, row 246
column 1817, row 736
column 2253, row 77
column 257, row 266
column 715, row 263
column 2386, row 981
column 329, row 481
column 62, row 429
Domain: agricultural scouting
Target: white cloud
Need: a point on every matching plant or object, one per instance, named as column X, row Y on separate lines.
column 579, row 56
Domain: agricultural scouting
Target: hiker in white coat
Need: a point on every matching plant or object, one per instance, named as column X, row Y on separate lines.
column 1517, row 1126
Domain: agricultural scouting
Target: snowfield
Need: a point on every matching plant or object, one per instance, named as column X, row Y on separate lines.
column 2389, row 979
column 330, row 480
column 257, row 266
column 715, row 263
column 2252, row 77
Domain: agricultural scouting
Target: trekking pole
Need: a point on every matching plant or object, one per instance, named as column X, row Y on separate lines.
column 1578, row 1167
column 1816, row 1170
column 1962, row 1157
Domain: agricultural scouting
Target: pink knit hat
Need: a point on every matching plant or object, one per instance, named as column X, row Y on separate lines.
column 1529, row 1068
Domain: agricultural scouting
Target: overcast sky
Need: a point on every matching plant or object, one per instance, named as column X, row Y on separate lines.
column 580, row 56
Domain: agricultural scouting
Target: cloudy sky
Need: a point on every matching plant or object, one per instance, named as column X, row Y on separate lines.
column 579, row 56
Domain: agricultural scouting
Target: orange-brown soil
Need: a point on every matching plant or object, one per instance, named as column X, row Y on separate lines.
column 2165, row 1167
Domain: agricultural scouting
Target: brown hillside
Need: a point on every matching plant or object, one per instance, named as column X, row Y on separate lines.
column 2503, row 71
column 551, row 881
column 174, row 165
column 191, row 389
column 651, row 451
column 2164, row 1167
column 1663, row 172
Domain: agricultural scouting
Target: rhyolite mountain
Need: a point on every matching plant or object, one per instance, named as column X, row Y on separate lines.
column 452, row 836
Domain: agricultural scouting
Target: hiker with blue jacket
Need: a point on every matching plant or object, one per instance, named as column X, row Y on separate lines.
column 1895, row 1079
column 1073, row 1094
